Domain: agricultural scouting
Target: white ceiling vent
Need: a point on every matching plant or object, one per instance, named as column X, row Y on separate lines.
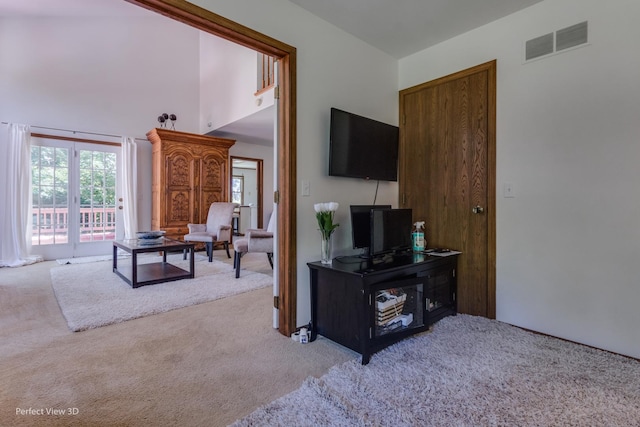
column 575, row 35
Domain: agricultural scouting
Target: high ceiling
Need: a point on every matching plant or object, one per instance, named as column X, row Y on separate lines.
column 397, row 27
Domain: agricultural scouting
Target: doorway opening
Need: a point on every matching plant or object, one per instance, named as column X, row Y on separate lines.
column 285, row 192
column 247, row 181
column 74, row 196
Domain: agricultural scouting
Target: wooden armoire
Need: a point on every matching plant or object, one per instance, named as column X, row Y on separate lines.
column 190, row 172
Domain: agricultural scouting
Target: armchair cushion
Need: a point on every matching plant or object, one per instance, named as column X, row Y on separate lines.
column 196, row 228
column 200, row 236
column 260, row 242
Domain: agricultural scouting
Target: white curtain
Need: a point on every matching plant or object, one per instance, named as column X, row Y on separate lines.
column 129, row 183
column 15, row 226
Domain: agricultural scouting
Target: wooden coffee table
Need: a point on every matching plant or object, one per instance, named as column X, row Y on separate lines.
column 138, row 275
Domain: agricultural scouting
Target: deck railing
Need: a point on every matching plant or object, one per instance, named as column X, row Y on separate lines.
column 51, row 225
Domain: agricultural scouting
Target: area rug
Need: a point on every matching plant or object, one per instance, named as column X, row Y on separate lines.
column 86, row 259
column 91, row 295
column 469, row 371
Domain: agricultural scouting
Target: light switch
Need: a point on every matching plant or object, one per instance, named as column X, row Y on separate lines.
column 507, row 190
column 306, row 188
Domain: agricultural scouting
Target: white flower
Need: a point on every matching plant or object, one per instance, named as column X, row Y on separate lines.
column 324, row 216
column 326, row 207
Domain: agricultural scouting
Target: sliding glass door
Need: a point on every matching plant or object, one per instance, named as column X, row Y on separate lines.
column 75, row 198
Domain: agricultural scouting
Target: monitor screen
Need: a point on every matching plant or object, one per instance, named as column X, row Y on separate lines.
column 390, row 231
column 361, row 224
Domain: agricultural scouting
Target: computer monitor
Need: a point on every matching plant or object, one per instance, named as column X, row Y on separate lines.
column 390, row 231
column 361, row 224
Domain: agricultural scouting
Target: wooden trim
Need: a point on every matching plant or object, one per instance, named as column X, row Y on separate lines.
column 491, row 68
column 217, row 25
column 157, row 135
column 205, row 20
column 287, row 223
column 72, row 139
column 264, row 89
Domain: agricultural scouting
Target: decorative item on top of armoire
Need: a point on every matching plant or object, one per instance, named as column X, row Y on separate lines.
column 189, row 172
column 162, row 119
column 324, row 215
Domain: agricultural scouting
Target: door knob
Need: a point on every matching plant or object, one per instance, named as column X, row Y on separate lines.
column 120, row 207
column 477, row 209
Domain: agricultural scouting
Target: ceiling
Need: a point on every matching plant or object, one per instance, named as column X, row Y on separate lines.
column 404, row 27
column 397, row 27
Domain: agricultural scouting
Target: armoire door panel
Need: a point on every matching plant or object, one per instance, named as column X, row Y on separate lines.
column 213, row 171
column 179, row 209
column 180, row 170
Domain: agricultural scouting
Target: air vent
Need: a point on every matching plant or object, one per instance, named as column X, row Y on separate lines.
column 574, row 35
column 540, row 46
column 560, row 40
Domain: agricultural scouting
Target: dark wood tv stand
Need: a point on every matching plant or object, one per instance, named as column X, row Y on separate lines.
column 367, row 306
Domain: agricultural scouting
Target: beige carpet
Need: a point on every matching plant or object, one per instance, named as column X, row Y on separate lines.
column 90, row 295
column 204, row 365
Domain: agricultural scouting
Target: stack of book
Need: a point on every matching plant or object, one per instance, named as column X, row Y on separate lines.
column 389, row 307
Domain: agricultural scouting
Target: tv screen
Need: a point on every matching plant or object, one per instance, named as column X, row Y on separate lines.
column 361, row 224
column 362, row 148
column 390, row 231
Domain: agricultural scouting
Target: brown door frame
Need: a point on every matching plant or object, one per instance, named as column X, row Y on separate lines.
column 285, row 194
column 260, row 178
column 490, row 68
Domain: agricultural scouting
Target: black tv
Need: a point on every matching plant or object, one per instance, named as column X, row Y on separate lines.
column 361, row 224
column 390, row 231
column 362, row 148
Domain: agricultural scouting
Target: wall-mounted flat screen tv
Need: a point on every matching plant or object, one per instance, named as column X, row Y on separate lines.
column 362, row 148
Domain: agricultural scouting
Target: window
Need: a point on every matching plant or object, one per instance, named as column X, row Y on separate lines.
column 237, row 189
column 97, row 196
column 50, row 195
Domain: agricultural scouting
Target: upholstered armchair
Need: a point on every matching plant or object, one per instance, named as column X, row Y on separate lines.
column 217, row 228
column 254, row 241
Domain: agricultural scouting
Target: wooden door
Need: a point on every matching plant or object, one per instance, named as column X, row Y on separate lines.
column 447, row 174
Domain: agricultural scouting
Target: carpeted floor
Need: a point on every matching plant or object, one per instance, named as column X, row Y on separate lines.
column 203, row 365
column 470, row 371
column 91, row 295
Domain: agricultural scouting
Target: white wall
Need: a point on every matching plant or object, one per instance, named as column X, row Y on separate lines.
column 333, row 70
column 112, row 76
column 568, row 141
column 228, row 75
column 103, row 75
